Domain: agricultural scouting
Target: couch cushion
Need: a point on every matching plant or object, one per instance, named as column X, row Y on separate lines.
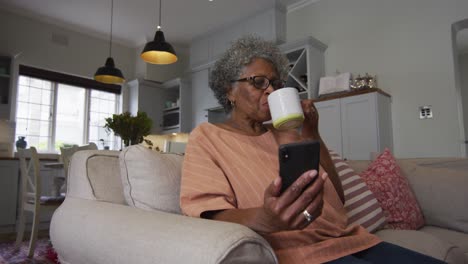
column 101, row 169
column 453, row 237
column 441, row 193
column 95, row 175
column 360, row 203
column 424, row 243
column 393, row 192
column 151, row 180
column 359, row 165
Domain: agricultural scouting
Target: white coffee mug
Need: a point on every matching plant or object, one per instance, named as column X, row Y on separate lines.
column 285, row 108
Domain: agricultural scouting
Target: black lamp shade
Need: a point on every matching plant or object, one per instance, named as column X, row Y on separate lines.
column 109, row 73
column 159, row 51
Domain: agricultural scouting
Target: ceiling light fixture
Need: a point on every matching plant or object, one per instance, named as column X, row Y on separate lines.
column 109, row 73
column 159, row 51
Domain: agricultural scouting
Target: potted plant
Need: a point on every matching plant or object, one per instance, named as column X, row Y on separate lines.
column 131, row 129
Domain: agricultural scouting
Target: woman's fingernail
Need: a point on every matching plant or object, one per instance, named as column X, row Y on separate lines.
column 276, row 182
column 324, row 176
column 312, row 174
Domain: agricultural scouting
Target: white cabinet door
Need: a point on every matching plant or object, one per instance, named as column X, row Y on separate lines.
column 6, row 86
column 151, row 101
column 149, row 98
column 9, row 172
column 202, row 97
column 330, row 124
column 356, row 126
column 185, row 105
column 359, row 126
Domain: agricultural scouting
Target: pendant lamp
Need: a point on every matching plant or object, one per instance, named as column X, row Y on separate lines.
column 109, row 73
column 159, row 51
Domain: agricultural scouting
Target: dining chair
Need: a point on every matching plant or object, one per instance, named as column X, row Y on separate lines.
column 30, row 196
column 67, row 153
column 65, row 156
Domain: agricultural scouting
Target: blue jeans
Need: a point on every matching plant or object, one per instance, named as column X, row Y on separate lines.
column 383, row 253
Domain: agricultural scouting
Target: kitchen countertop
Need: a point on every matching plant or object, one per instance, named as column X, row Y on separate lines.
column 42, row 157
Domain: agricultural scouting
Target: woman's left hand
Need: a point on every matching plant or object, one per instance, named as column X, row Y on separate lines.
column 311, row 118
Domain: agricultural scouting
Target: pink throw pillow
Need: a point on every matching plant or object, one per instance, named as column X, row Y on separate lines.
column 393, row 192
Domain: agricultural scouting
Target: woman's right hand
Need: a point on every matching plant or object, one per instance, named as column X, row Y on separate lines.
column 285, row 211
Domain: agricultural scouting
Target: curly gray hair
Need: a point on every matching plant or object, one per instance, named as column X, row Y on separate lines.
column 242, row 52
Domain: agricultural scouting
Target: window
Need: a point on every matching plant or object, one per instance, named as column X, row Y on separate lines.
column 34, row 114
column 53, row 114
column 103, row 105
column 70, row 115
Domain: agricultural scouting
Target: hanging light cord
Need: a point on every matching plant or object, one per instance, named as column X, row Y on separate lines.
column 110, row 40
column 159, row 26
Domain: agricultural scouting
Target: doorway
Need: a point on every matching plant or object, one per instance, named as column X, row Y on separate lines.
column 460, row 57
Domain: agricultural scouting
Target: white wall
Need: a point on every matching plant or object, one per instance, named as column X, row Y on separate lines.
column 407, row 44
column 82, row 57
column 463, row 64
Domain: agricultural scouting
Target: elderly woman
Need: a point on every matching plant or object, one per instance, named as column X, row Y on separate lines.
column 231, row 171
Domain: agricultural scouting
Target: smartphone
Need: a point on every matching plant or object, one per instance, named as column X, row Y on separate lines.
column 297, row 158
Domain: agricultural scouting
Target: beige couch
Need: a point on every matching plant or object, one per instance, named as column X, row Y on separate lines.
column 95, row 225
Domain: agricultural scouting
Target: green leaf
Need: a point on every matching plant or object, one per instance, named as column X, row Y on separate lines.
column 132, row 129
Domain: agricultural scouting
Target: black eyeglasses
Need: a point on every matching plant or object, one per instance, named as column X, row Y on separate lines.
column 262, row 82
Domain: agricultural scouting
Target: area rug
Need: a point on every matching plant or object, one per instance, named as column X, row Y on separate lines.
column 44, row 253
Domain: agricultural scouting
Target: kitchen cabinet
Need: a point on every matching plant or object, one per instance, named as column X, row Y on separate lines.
column 217, row 115
column 8, row 76
column 269, row 24
column 306, row 58
column 307, row 65
column 9, row 191
column 146, row 96
column 177, row 91
column 158, row 99
column 202, row 97
column 356, row 124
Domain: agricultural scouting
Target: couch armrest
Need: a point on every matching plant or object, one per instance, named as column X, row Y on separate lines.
column 441, row 192
column 86, row 231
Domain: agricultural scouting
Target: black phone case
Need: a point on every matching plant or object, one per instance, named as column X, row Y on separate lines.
column 297, row 158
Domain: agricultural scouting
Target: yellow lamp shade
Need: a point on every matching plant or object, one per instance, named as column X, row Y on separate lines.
column 109, row 73
column 159, row 51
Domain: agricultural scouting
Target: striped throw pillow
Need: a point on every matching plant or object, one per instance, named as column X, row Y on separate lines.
column 360, row 203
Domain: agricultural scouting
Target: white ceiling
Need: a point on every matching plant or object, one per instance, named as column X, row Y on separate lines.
column 134, row 22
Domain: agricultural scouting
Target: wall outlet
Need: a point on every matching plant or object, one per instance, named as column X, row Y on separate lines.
column 425, row 112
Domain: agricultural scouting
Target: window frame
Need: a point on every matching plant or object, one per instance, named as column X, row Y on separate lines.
column 87, row 112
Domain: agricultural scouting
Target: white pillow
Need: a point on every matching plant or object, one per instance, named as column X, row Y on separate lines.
column 151, row 180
